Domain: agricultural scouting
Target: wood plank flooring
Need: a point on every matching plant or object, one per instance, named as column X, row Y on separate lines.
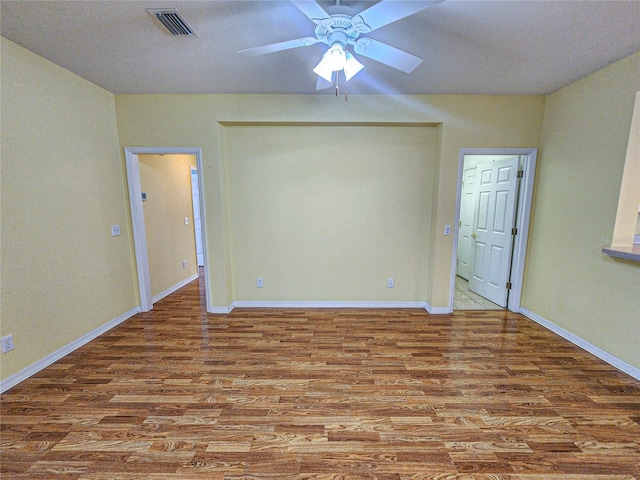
column 322, row 394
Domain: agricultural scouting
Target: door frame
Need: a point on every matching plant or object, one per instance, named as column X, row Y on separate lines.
column 523, row 216
column 191, row 170
column 137, row 216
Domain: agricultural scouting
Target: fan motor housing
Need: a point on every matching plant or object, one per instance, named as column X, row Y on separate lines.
column 342, row 31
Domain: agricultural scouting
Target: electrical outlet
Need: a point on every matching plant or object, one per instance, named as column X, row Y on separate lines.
column 115, row 230
column 7, row 343
column 447, row 229
column 184, row 264
column 259, row 282
column 390, row 283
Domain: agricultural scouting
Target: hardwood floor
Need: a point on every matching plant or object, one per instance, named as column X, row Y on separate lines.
column 327, row 394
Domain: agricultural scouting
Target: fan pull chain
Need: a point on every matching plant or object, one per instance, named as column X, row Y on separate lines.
column 346, row 92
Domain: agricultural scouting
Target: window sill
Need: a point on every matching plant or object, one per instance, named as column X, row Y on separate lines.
column 627, row 253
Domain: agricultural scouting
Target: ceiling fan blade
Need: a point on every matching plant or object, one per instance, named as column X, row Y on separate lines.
column 383, row 53
column 276, row 47
column 314, row 12
column 388, row 11
column 321, row 84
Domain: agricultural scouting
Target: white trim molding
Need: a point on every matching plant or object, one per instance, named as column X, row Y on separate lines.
column 220, row 310
column 138, row 229
column 16, row 378
column 583, row 344
column 331, row 304
column 325, row 304
column 437, row 310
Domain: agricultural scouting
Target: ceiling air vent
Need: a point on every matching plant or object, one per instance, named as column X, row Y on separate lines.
column 172, row 21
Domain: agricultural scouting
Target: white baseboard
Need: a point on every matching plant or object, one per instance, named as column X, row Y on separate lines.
column 325, row 304
column 13, row 380
column 177, row 286
column 436, row 310
column 582, row 343
column 328, row 304
column 221, row 310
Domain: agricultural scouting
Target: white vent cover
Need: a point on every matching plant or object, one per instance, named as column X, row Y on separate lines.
column 172, row 21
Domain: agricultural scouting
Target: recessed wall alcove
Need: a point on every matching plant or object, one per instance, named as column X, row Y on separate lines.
column 328, row 212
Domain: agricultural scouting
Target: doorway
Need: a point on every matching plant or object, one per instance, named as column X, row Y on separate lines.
column 493, row 206
column 137, row 217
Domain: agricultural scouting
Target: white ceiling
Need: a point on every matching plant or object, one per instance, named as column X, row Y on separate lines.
column 468, row 47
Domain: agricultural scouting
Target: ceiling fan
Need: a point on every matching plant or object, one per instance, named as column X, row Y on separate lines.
column 339, row 30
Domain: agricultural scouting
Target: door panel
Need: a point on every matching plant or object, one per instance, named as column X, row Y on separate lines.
column 482, row 223
column 499, row 217
column 495, row 217
column 478, row 262
column 467, row 205
column 495, row 263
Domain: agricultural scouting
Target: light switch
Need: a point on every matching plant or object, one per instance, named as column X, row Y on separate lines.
column 115, row 230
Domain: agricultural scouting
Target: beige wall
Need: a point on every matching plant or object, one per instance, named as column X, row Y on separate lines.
column 206, row 120
column 568, row 281
column 166, row 179
column 62, row 273
column 329, row 212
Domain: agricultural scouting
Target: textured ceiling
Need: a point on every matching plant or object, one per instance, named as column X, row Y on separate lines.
column 468, row 47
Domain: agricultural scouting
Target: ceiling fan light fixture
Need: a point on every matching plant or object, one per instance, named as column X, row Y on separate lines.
column 351, row 66
column 333, row 59
column 324, row 72
column 337, row 58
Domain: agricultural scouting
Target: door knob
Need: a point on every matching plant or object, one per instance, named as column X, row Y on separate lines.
column 473, row 235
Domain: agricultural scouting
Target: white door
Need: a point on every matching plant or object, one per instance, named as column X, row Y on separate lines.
column 492, row 237
column 467, row 205
column 197, row 225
